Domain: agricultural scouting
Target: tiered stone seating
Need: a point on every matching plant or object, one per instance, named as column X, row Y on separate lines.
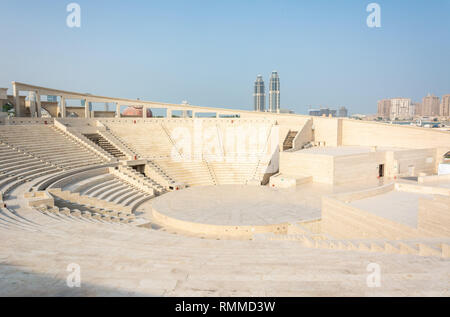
column 124, row 147
column 191, row 173
column 102, row 189
column 67, row 209
column 236, row 173
column 85, row 214
column 128, row 174
column 49, row 144
column 422, row 247
column 155, row 263
column 106, row 145
column 159, row 174
column 95, row 204
column 149, row 139
column 18, row 167
column 155, row 139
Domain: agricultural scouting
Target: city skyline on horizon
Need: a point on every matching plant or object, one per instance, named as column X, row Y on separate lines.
column 204, row 53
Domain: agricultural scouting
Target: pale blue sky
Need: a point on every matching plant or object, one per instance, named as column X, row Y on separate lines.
column 210, row 52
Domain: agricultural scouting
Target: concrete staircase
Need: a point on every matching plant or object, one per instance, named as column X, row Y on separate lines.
column 192, row 173
column 421, row 247
column 129, row 174
column 288, row 142
column 106, row 145
column 154, row 171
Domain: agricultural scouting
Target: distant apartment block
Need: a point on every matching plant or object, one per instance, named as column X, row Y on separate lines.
column 430, row 106
column 415, row 106
column 384, row 108
column 445, row 106
column 400, row 108
column 403, row 108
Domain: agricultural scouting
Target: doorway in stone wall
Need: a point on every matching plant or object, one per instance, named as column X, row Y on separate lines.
column 381, row 170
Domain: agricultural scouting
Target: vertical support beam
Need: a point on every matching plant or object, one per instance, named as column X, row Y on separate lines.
column 63, row 107
column 117, row 110
column 38, row 104
column 87, row 111
column 16, row 94
column 32, row 103
column 169, row 113
column 144, row 112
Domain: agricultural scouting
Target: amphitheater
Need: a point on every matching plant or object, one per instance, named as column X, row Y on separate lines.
column 218, row 202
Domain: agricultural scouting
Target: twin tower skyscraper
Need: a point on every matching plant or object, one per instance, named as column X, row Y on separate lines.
column 274, row 94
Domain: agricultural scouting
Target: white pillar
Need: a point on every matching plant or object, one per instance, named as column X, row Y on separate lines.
column 87, row 112
column 38, row 104
column 169, row 113
column 144, row 112
column 63, row 107
column 16, row 94
column 32, row 103
column 117, row 110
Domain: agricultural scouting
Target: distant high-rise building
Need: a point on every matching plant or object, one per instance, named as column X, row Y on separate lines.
column 260, row 94
column 274, row 93
column 431, row 105
column 400, row 108
column 414, row 108
column 418, row 110
column 322, row 112
column 343, row 112
column 384, row 108
column 445, row 106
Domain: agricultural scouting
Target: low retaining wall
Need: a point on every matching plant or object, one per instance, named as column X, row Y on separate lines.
column 209, row 230
column 433, row 179
column 434, row 215
column 343, row 221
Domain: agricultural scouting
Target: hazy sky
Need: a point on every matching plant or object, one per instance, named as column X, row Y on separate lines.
column 210, row 52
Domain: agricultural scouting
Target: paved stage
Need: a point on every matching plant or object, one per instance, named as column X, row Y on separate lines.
column 237, row 205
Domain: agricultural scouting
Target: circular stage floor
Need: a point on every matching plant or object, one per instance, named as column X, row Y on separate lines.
column 238, row 205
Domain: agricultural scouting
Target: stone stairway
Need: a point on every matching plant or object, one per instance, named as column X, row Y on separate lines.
column 94, row 203
column 420, row 247
column 85, row 212
column 153, row 170
column 288, row 142
column 106, row 145
column 128, row 174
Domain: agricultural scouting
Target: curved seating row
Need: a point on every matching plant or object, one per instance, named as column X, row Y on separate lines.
column 91, row 215
column 48, row 144
column 192, row 173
